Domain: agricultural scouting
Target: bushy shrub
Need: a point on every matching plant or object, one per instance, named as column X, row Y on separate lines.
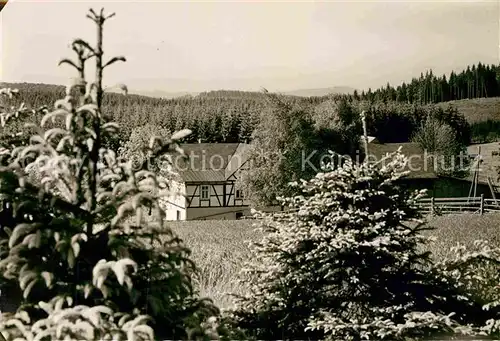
column 394, row 122
column 287, row 145
column 88, row 264
column 345, row 262
column 440, row 140
column 475, row 272
column 435, row 136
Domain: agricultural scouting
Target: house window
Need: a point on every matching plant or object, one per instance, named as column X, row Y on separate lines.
column 239, row 194
column 205, row 192
column 178, row 215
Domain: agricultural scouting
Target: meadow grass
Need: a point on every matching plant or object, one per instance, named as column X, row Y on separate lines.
column 464, row 229
column 219, row 247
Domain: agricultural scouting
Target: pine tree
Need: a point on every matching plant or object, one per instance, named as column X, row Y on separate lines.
column 77, row 241
column 356, row 95
column 345, row 261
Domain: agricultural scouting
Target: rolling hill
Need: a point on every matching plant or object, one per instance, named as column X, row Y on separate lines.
column 160, row 93
column 319, row 92
column 478, row 109
column 475, row 110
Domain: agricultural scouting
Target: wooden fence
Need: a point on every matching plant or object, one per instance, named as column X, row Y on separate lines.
column 478, row 205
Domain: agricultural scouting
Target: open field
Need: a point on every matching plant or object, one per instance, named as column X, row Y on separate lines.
column 219, row 246
column 463, row 228
column 218, row 249
column 477, row 110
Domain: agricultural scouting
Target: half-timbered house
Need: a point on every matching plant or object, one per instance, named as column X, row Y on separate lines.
column 205, row 186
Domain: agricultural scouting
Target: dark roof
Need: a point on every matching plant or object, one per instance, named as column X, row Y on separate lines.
column 203, row 176
column 419, row 169
column 205, row 156
column 206, row 162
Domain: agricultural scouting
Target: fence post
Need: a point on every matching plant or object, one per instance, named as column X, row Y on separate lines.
column 482, row 204
column 432, row 205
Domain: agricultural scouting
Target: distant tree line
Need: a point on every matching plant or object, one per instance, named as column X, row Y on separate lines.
column 278, row 124
column 393, row 122
column 486, row 131
column 394, row 114
column 477, row 81
column 216, row 116
column 291, row 141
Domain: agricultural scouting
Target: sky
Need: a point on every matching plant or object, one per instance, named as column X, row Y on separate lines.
column 280, row 45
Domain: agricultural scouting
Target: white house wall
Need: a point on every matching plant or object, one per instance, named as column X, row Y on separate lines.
column 174, row 201
column 231, row 199
column 171, row 212
column 183, row 201
column 217, row 198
